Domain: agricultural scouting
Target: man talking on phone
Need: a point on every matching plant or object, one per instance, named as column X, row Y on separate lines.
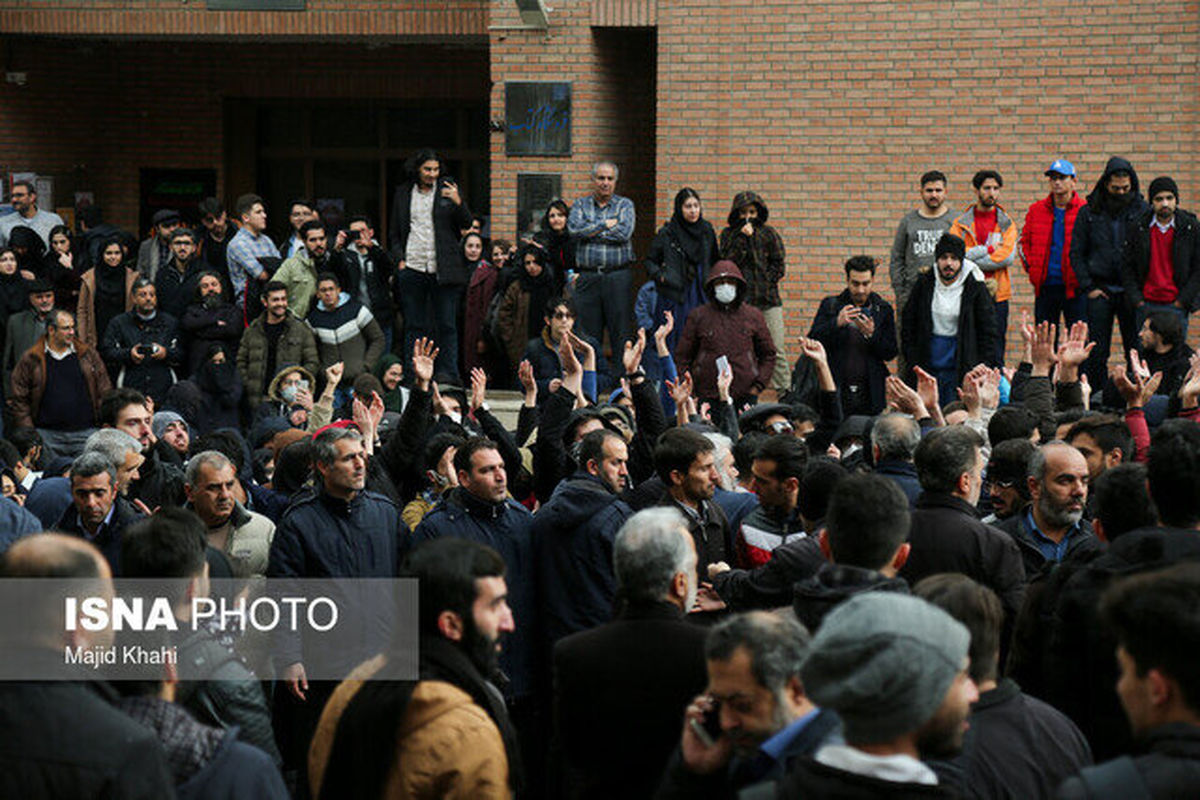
column 427, row 215
column 754, row 718
column 858, row 330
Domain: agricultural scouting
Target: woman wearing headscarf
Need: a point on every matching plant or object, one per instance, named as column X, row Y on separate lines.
column 61, row 268
column 14, row 294
column 556, row 243
column 29, row 249
column 678, row 261
column 104, row 292
column 519, row 318
column 390, row 371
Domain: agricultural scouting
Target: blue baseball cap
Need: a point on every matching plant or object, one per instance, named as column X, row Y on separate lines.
column 1062, row 167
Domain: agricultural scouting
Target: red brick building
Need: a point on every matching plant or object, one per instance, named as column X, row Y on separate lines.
column 830, row 110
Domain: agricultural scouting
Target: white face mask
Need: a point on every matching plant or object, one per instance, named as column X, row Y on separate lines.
column 455, row 417
column 725, row 293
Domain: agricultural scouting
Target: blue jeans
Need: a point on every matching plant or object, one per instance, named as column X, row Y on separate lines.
column 1052, row 303
column 431, row 311
column 604, row 300
column 1101, row 312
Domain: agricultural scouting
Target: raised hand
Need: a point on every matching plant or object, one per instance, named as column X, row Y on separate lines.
column 724, row 381
column 589, row 352
column 1042, row 349
column 927, row 388
column 1073, row 351
column 528, row 383
column 904, row 398
column 662, row 332
column 478, row 388
column 681, row 390
column 634, row 349
column 813, row 350
column 1134, row 388
column 425, row 352
column 333, row 374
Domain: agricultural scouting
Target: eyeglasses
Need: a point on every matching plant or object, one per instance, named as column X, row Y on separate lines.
column 563, row 315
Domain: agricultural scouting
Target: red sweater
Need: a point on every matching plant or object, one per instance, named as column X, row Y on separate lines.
column 1160, row 278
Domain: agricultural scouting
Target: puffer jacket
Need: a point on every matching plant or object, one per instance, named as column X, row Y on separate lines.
column 448, row 744
column 1098, row 241
column 1036, row 236
column 507, row 528
column 347, row 333
column 248, row 546
column 296, row 346
column 760, row 257
column 737, row 331
column 29, row 381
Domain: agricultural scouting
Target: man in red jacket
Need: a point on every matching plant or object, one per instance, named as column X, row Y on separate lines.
column 1045, row 248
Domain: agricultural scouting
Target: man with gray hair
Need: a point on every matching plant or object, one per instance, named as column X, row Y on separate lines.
column 645, row 665
column 894, row 440
column 1051, row 527
column 894, row 668
column 98, row 513
column 755, row 718
column 124, row 451
column 603, row 222
column 243, row 536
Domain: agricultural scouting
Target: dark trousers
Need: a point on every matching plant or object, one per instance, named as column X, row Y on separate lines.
column 1052, row 302
column 604, row 301
column 430, row 310
column 1101, row 312
column 1001, row 307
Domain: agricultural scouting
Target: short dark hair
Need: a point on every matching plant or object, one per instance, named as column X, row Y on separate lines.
column 467, row 450
column 860, row 264
column 1010, row 462
column 677, row 448
column 503, row 244
column 210, row 207
column 301, row 201
column 311, row 225
column 328, row 276
column 446, row 569
column 746, row 448
column 437, row 446
column 1174, row 472
column 554, row 303
column 978, row 608
column 25, row 439
column 169, row 544
column 1167, row 325
column 359, row 218
column 777, row 646
column 802, row 412
column 1011, row 422
column 789, row 454
column 983, row 174
column 820, row 479
column 1155, row 617
column 226, row 442
column 273, row 286
column 29, row 185
column 366, row 384
column 245, row 203
column 182, row 232
column 591, row 446
column 140, row 282
column 1108, row 430
column 1121, row 501
column 867, row 521
column 117, row 400
column 944, row 455
column 931, row 176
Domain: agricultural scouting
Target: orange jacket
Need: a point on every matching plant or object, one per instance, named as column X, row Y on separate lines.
column 1001, row 250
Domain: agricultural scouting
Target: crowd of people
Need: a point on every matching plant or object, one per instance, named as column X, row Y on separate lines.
column 906, row 564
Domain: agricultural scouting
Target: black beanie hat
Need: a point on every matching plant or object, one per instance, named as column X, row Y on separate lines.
column 1163, row 184
column 950, row 245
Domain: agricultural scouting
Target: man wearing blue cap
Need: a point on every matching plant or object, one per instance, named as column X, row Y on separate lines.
column 1045, row 248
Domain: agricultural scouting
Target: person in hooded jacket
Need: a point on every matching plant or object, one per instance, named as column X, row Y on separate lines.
column 1097, row 247
column 210, row 320
column 757, row 249
column 948, row 324
column 105, row 291
column 679, row 259
column 390, row 371
column 728, row 325
column 29, row 249
column 209, row 399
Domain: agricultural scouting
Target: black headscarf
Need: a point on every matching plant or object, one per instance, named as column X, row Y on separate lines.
column 540, row 290
column 29, row 248
column 110, row 289
column 693, row 236
column 14, row 293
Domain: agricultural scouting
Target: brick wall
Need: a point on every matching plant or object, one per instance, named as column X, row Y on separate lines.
column 833, row 110
column 93, row 111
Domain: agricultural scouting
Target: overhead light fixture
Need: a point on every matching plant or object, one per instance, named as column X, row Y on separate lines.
column 533, row 13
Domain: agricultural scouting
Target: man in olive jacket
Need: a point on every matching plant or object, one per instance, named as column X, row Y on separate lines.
column 275, row 339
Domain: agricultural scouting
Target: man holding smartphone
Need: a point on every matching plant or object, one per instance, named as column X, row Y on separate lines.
column 858, row 330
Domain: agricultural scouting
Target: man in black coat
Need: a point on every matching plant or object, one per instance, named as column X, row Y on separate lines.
column 645, row 665
column 858, row 329
column 141, row 346
column 946, row 534
column 1161, row 268
column 65, row 739
column 573, row 538
column 949, row 323
column 1097, row 249
column 366, row 272
column 685, row 462
column 98, row 513
column 428, row 218
column 210, row 319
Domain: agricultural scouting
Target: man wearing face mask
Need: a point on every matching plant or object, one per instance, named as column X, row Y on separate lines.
column 211, row 320
column 1101, row 228
column 440, row 477
column 727, row 326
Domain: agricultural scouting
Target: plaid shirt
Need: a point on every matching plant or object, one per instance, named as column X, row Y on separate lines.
column 599, row 246
column 242, row 257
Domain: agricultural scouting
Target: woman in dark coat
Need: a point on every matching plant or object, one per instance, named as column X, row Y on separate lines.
column 556, row 243
column 14, row 296
column 679, row 259
column 29, row 249
column 520, row 317
column 480, row 289
column 59, row 267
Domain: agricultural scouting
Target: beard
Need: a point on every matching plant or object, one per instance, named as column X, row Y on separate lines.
column 482, row 651
column 1056, row 515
